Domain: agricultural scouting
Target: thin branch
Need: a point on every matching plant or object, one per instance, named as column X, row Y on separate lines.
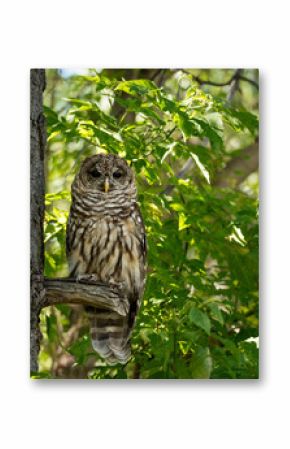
column 224, row 83
column 88, row 293
column 209, row 82
column 234, row 86
column 249, row 80
column 212, row 83
column 180, row 175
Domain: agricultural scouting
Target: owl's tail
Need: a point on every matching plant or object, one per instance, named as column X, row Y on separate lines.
column 110, row 336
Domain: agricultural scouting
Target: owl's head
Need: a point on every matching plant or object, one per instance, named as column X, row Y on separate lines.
column 106, row 173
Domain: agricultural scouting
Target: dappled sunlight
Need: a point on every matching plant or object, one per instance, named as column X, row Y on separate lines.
column 182, row 131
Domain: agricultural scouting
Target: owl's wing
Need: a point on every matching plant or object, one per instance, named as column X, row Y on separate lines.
column 69, row 236
column 72, row 238
column 136, row 296
column 141, row 234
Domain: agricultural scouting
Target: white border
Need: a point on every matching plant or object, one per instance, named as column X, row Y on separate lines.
column 206, row 414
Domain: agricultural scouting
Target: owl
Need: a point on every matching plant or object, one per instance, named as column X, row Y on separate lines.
column 106, row 240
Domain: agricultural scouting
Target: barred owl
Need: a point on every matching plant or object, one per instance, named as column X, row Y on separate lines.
column 106, row 239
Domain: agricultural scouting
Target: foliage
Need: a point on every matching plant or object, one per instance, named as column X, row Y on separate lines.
column 199, row 317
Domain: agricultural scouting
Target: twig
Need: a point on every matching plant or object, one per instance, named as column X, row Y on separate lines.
column 234, row 86
column 180, row 175
column 225, row 83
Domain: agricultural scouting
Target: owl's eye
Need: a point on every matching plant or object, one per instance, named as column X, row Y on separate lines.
column 95, row 173
column 118, row 174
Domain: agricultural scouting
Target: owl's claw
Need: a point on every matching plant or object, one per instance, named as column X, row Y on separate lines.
column 87, row 277
column 116, row 285
column 124, row 307
column 113, row 285
column 119, row 288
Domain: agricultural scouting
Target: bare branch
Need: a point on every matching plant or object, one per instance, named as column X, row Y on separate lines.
column 88, row 293
column 180, row 175
column 224, row 83
column 239, row 167
column 234, row 86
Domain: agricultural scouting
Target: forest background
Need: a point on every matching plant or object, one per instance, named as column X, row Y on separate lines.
column 192, row 139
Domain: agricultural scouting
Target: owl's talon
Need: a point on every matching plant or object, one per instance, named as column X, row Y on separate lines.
column 87, row 277
column 116, row 285
column 126, row 306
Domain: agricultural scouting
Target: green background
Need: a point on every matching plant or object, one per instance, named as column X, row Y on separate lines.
column 199, row 317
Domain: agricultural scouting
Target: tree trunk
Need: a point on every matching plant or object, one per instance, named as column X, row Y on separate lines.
column 37, row 147
column 53, row 291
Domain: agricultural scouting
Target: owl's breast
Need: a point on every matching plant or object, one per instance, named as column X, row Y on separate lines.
column 112, row 250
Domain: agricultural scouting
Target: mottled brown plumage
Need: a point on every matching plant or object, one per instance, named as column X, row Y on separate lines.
column 106, row 239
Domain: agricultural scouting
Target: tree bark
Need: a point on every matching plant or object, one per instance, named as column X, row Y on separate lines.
column 88, row 293
column 37, row 147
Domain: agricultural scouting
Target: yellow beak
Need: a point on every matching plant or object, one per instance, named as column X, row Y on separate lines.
column 107, row 185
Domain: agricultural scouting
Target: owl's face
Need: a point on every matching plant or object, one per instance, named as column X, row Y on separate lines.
column 106, row 173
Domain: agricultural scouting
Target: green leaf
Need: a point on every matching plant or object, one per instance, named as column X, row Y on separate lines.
column 182, row 222
column 63, row 195
column 51, row 327
column 78, row 101
column 216, row 313
column 211, row 133
column 187, row 126
column 248, row 120
column 149, row 112
column 201, row 167
column 100, row 81
column 179, row 207
column 237, row 236
column 41, row 375
column 50, row 115
column 241, row 120
column 201, row 364
column 80, row 348
column 136, row 87
column 131, row 104
column 200, row 319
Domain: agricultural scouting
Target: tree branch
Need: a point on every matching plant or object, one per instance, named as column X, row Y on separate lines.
column 54, row 291
column 87, row 293
column 180, row 175
column 239, row 167
column 237, row 75
column 237, row 170
column 234, row 86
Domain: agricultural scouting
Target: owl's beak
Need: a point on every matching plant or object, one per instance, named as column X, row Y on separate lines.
column 106, row 185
